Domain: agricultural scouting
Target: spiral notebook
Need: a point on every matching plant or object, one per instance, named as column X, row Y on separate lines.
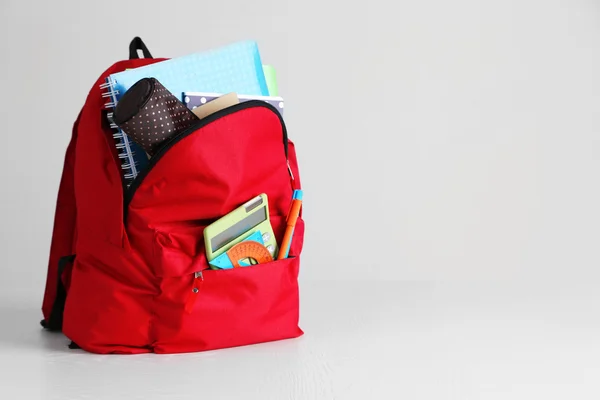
column 233, row 68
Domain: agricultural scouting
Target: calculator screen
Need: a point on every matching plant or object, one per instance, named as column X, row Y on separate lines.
column 238, row 229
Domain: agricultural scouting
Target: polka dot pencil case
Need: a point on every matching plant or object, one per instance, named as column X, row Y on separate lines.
column 150, row 114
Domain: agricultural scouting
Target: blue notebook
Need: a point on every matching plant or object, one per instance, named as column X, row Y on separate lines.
column 233, row 68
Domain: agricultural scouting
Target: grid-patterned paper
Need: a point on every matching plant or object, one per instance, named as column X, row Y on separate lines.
column 233, row 68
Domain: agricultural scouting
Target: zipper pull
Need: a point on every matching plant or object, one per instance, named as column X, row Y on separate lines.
column 198, row 280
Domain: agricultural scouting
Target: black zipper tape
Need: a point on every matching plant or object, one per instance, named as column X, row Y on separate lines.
column 130, row 192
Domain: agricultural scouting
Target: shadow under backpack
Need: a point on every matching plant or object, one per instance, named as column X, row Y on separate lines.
column 122, row 274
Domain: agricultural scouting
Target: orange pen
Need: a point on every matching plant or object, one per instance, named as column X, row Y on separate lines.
column 291, row 219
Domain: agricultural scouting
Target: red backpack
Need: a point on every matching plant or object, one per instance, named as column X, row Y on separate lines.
column 128, row 272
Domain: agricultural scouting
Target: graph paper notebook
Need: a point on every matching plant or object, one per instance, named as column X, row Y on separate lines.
column 233, row 68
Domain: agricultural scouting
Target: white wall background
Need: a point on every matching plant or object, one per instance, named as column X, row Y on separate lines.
column 437, row 139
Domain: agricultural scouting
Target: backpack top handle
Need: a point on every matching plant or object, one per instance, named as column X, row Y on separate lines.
column 135, row 45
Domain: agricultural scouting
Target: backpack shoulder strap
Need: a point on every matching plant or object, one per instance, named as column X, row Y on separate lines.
column 63, row 235
column 54, row 321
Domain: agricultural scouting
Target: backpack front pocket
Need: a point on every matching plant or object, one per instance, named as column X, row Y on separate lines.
column 199, row 308
column 233, row 308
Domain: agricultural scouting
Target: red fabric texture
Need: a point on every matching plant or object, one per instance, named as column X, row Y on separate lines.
column 131, row 285
column 63, row 234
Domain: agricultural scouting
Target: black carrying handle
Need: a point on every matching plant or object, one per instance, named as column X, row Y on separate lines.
column 135, row 45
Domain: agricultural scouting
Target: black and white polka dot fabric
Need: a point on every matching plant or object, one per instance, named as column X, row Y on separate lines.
column 149, row 114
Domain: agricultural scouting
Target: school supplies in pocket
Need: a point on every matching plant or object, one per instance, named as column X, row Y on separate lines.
column 250, row 251
column 236, row 226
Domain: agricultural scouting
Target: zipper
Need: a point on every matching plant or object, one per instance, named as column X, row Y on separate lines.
column 130, row 192
column 198, row 281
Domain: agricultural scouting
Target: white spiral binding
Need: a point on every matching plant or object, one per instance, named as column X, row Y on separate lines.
column 122, row 141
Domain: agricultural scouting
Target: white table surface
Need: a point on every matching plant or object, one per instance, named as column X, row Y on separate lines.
column 405, row 340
